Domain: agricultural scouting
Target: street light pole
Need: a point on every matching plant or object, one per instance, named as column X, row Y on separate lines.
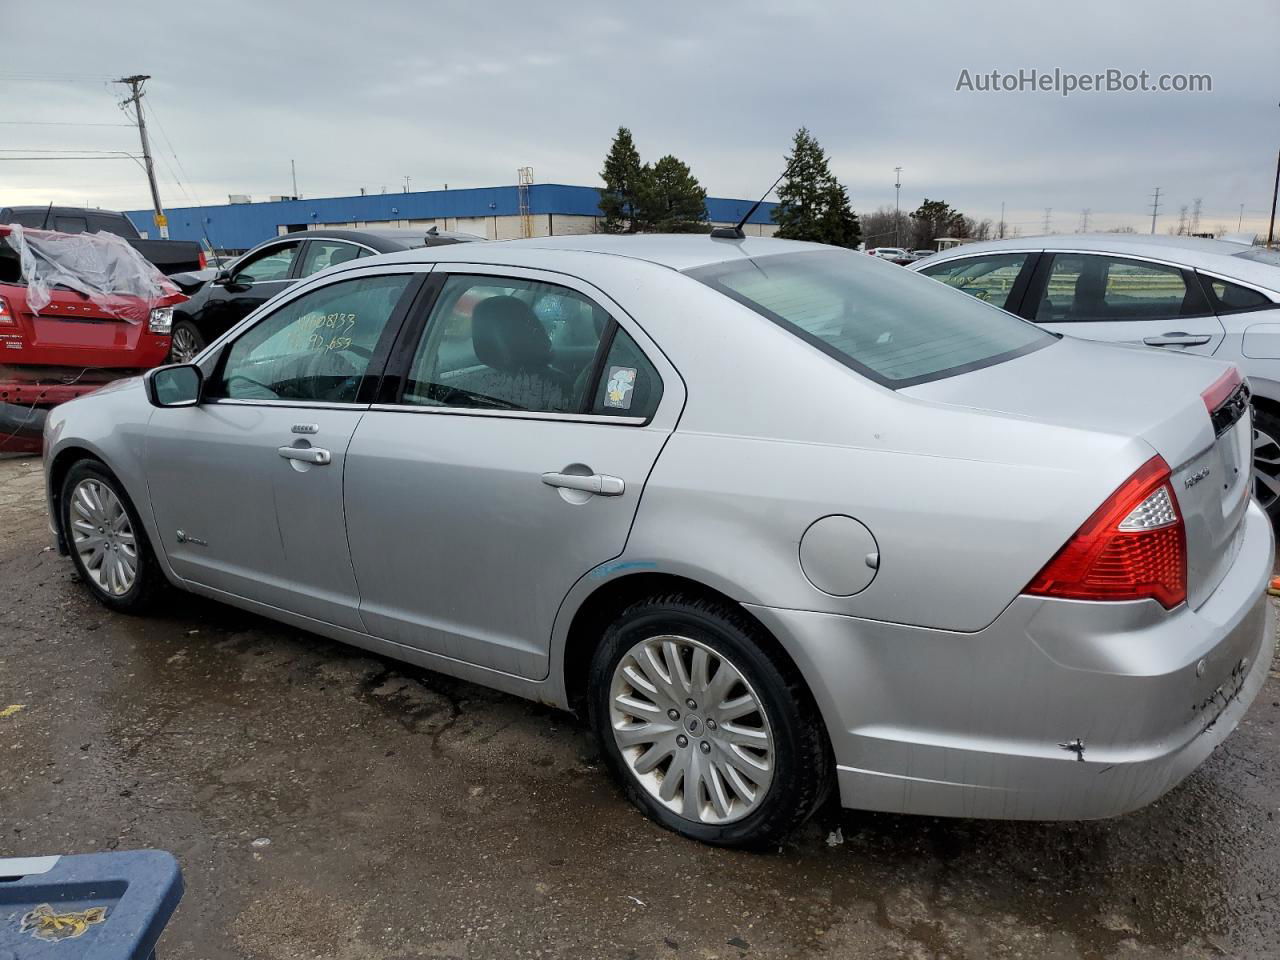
column 897, row 197
column 134, row 84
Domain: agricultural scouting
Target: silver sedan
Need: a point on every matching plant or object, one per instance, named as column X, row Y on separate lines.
column 778, row 519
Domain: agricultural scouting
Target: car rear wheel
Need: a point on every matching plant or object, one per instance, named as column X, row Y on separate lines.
column 709, row 733
column 1266, row 461
column 185, row 342
column 107, row 541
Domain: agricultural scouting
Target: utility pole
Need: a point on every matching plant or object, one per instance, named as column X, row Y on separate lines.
column 1240, row 222
column 406, row 184
column 293, row 170
column 1155, row 209
column 1271, row 231
column 1048, row 218
column 1084, row 220
column 1001, row 219
column 134, row 83
column 897, row 216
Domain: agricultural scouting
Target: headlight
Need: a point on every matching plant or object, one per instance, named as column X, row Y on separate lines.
column 161, row 320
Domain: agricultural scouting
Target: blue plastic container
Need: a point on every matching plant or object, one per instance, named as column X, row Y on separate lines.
column 97, row 906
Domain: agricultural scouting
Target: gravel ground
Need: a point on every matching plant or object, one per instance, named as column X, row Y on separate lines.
column 331, row 804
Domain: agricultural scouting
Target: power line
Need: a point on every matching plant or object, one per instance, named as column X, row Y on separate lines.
column 58, row 123
column 126, row 156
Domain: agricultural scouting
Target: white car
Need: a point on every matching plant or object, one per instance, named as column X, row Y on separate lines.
column 889, row 253
column 1176, row 293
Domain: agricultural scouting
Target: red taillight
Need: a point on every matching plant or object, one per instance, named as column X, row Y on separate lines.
column 6, row 315
column 1220, row 389
column 204, row 261
column 1133, row 547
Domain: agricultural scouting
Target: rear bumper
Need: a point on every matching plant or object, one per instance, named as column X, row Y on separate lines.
column 1059, row 710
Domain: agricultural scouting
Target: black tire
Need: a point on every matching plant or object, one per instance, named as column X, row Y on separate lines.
column 802, row 766
column 149, row 581
column 1266, row 427
column 183, row 329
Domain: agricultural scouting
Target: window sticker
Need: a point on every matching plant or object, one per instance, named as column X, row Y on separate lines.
column 618, row 392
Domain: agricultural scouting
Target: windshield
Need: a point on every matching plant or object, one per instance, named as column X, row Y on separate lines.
column 1261, row 254
column 892, row 325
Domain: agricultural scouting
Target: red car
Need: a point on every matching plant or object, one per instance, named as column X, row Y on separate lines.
column 108, row 315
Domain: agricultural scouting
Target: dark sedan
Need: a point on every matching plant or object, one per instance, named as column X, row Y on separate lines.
column 277, row 264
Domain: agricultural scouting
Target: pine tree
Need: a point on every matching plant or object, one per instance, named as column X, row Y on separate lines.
column 622, row 175
column 670, row 199
column 812, row 204
column 839, row 224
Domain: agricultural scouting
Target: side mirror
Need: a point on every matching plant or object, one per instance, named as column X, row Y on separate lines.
column 177, row 385
column 222, row 276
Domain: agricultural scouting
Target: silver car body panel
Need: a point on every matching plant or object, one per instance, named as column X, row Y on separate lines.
column 943, row 688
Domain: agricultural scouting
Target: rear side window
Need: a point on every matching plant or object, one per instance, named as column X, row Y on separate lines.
column 1227, row 297
column 989, row 278
column 1086, row 288
column 70, row 224
column 891, row 325
column 629, row 386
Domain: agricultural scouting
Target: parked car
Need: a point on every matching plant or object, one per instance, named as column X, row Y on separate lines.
column 775, row 516
column 1180, row 294
column 921, row 254
column 169, row 256
column 893, row 254
column 241, row 287
column 95, row 312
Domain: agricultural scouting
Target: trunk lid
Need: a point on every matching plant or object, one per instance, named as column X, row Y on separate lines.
column 1135, row 391
column 74, row 331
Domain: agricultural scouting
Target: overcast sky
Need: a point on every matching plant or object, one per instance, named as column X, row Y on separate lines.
column 364, row 94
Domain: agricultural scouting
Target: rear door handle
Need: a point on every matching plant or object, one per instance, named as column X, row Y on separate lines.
column 313, row 455
column 598, row 483
column 1176, row 338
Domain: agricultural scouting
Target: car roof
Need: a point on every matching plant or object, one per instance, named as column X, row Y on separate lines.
column 680, row 251
column 1214, row 256
column 389, row 240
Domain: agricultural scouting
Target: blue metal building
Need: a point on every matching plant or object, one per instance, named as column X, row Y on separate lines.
column 553, row 208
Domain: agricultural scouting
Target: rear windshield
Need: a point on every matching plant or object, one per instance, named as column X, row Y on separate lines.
column 892, row 325
column 1261, row 254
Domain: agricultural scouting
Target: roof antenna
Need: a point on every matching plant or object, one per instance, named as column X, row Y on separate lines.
column 45, row 224
column 735, row 232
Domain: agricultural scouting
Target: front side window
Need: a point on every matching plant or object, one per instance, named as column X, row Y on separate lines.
column 507, row 344
column 316, row 347
column 990, row 278
column 1084, row 287
column 892, row 326
column 273, row 264
column 322, row 254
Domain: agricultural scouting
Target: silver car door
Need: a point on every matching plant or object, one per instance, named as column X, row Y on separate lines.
column 1124, row 299
column 507, row 465
column 246, row 487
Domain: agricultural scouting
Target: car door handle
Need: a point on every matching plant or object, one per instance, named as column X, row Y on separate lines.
column 1176, row 338
column 598, row 483
column 313, row 455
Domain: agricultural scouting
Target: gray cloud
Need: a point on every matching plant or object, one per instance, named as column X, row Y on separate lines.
column 463, row 93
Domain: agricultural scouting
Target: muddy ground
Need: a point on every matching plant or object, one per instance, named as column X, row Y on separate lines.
column 409, row 815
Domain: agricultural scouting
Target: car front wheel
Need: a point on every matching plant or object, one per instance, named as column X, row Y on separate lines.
column 710, row 734
column 106, row 539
